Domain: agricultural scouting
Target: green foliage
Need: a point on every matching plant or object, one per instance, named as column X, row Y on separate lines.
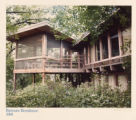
column 75, row 20
column 62, row 94
column 9, row 72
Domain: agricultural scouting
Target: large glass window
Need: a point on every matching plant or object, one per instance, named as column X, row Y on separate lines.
column 97, row 51
column 66, row 46
column 53, row 47
column 104, row 47
column 114, row 44
column 29, row 47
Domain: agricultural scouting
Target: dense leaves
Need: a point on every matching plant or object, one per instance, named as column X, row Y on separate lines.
column 75, row 20
column 62, row 94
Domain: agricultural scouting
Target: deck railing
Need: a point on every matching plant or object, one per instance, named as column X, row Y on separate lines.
column 66, row 62
column 49, row 62
column 107, row 62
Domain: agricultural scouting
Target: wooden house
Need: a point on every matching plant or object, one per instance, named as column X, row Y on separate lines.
column 38, row 51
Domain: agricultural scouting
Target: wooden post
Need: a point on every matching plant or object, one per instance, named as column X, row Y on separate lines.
column 44, row 51
column 16, row 50
column 14, row 82
column 61, row 48
column 120, row 42
column 78, row 60
column 70, row 53
column 33, row 79
column 14, row 74
column 84, row 55
column 101, row 49
column 116, row 80
column 88, row 54
column 43, row 78
column 44, row 45
column 109, row 46
column 94, row 56
column 55, row 78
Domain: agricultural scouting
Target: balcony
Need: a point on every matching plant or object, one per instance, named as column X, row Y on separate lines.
column 66, row 64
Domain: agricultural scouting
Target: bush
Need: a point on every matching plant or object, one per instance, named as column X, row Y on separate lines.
column 62, row 94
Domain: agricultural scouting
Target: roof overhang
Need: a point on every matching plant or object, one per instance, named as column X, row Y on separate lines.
column 42, row 27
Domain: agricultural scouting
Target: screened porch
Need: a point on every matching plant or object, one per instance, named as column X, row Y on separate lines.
column 43, row 53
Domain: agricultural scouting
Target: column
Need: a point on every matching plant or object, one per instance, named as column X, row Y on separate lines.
column 44, row 49
column 101, row 49
column 33, row 79
column 70, row 53
column 14, row 74
column 78, row 60
column 120, row 42
column 84, row 55
column 61, row 53
column 88, row 54
column 43, row 78
column 109, row 46
column 14, row 82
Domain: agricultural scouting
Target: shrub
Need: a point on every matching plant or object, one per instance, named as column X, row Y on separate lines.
column 62, row 94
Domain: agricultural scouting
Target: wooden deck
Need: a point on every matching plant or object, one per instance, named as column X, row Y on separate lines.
column 66, row 65
column 46, row 64
column 106, row 63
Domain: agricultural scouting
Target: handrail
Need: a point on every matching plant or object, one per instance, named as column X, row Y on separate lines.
column 45, row 57
column 104, row 60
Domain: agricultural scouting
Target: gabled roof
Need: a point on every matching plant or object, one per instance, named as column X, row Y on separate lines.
column 42, row 27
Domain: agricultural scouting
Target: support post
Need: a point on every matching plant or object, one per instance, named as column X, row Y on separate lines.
column 109, row 46
column 14, row 74
column 43, row 78
column 101, row 51
column 120, row 42
column 88, row 53
column 33, row 79
column 70, row 53
column 61, row 48
column 84, row 55
column 44, row 45
column 112, row 68
column 78, row 60
column 14, row 82
column 116, row 80
column 94, row 48
column 44, row 49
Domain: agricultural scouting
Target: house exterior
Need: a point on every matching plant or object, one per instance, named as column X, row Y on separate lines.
column 38, row 51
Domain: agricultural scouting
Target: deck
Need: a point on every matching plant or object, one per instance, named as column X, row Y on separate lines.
column 63, row 65
column 46, row 64
column 111, row 63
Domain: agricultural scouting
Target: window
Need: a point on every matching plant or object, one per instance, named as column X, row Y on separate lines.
column 114, row 44
column 104, row 47
column 66, row 46
column 29, row 47
column 97, row 51
column 53, row 47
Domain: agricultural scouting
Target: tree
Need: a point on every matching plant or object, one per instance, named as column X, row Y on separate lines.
column 75, row 20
